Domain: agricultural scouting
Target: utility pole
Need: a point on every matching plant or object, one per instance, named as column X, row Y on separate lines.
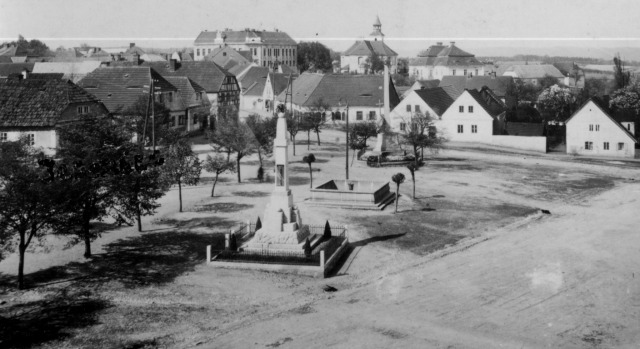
column 153, row 116
column 346, row 159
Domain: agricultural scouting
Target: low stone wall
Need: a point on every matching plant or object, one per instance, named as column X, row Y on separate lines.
column 538, row 144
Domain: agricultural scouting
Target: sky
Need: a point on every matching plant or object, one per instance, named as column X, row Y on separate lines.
column 409, row 25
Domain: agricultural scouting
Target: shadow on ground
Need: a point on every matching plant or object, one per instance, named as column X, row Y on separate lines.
column 250, row 194
column 218, row 207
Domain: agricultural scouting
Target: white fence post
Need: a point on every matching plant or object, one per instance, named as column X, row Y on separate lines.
column 227, row 244
column 322, row 258
column 248, row 226
column 208, row 254
column 346, row 232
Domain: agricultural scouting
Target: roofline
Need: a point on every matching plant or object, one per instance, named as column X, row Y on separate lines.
column 605, row 113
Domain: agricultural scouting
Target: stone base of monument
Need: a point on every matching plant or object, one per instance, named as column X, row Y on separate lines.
column 290, row 239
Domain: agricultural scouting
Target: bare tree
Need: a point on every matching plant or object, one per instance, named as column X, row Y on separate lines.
column 317, row 117
column 218, row 165
column 182, row 166
column 234, row 136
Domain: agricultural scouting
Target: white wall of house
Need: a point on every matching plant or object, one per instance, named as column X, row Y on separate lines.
column 427, row 72
column 403, row 112
column 355, row 62
column 591, row 132
column 46, row 140
column 467, row 121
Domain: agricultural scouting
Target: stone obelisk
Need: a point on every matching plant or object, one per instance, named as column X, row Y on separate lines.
column 381, row 142
column 282, row 228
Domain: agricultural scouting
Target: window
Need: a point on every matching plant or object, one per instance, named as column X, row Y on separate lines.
column 590, row 127
column 588, row 145
column 3, row 136
column 597, row 128
column 453, row 72
column 195, row 119
column 83, row 110
column 476, row 72
column 465, row 72
column 460, row 129
column 403, row 126
column 628, row 127
column 359, row 115
column 280, row 175
column 198, row 96
column 170, row 97
column 620, row 146
column 605, row 146
column 474, row 128
column 372, row 115
column 470, row 109
column 182, row 120
column 198, row 52
column 461, row 108
column 161, row 98
column 417, row 108
column 31, row 138
column 409, row 107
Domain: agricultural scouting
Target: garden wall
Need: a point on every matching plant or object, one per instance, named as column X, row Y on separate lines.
column 538, row 144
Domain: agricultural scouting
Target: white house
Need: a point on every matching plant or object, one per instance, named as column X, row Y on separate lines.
column 533, row 73
column 475, row 116
column 434, row 101
column 593, row 131
column 438, row 61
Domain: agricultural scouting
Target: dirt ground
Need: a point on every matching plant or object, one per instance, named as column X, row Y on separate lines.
column 470, row 263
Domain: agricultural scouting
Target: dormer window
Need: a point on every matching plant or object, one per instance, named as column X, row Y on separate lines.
column 82, row 110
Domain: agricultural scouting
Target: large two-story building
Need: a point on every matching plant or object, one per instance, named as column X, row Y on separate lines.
column 438, row 61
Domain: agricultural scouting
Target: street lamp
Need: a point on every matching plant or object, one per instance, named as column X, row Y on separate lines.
column 346, row 159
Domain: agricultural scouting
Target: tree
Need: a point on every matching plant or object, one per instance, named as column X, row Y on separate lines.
column 359, row 134
column 264, row 132
column 374, row 63
column 309, row 159
column 421, row 133
column 592, row 88
column 306, row 125
column 317, row 117
column 293, row 127
column 141, row 115
column 28, row 205
column 313, row 56
column 397, row 178
column 218, row 165
column 557, row 101
column 182, row 166
column 627, row 97
column 33, row 47
column 548, row 81
column 327, row 231
column 521, row 92
column 234, row 136
column 413, row 168
column 620, row 74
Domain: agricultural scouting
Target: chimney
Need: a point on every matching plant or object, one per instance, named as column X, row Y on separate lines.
column 135, row 58
column 131, row 44
column 173, row 64
column 453, row 43
column 439, row 43
column 25, row 74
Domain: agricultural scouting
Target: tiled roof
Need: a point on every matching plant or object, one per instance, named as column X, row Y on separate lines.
column 439, row 55
column 187, row 90
column 432, row 51
column 239, row 37
column 45, row 76
column 498, row 84
column 5, row 59
column 227, row 57
column 134, row 49
column 207, row 74
column 454, row 51
column 239, row 69
column 422, row 61
column 121, row 87
column 534, row 71
column 452, row 91
column 254, row 74
column 152, row 57
column 437, row 98
column 429, row 83
column 73, row 71
column 8, row 50
column 488, row 101
column 38, row 103
column 280, row 81
column 7, row 69
column 366, row 47
column 357, row 90
column 524, row 129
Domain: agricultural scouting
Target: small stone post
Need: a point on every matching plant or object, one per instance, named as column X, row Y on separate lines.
column 208, row 254
column 248, row 226
column 322, row 258
column 227, row 243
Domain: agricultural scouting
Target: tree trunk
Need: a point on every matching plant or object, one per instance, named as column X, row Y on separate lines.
column 260, row 156
column 397, row 191
column 22, row 249
column 414, row 187
column 294, row 145
column 214, row 184
column 311, row 177
column 139, row 219
column 318, row 135
column 308, row 139
column 180, row 194
column 353, row 156
column 238, row 167
column 87, row 238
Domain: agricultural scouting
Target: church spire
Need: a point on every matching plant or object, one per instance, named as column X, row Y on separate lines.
column 377, row 30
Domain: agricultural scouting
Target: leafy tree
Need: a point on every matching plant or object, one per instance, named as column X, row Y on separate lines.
column 359, row 134
column 521, row 92
column 97, row 144
column 182, row 166
column 293, row 127
column 557, row 101
column 398, row 179
column 317, row 118
column 592, row 88
column 309, row 159
column 627, row 97
column 313, row 56
column 548, row 81
column 421, row 133
column 327, row 231
column 33, row 47
column 307, row 247
column 218, row 165
column 264, row 131
column 374, row 63
column 234, row 137
column 141, row 114
column 28, row 205
column 306, row 125
column 621, row 75
column 413, row 168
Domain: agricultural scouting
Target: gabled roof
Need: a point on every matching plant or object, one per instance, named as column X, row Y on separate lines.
column 7, row 69
column 366, row 47
column 187, row 90
column 439, row 55
column 432, row 51
column 121, row 87
column 525, row 129
column 499, row 84
column 38, row 103
column 227, row 57
column 8, row 50
column 252, row 75
column 428, row 83
column 134, row 49
column 534, row 71
column 45, row 76
column 73, row 71
column 240, row 37
column 357, row 90
column 487, row 100
column 437, row 99
column 207, row 74
column 454, row 51
column 600, row 105
column 152, row 57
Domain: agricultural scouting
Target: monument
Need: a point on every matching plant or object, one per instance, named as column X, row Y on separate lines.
column 381, row 143
column 282, row 229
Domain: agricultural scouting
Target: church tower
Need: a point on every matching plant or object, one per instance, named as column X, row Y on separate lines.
column 376, row 34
